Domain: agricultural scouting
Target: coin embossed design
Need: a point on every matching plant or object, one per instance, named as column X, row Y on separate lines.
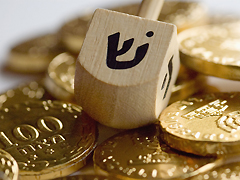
column 28, row 91
column 206, row 124
column 8, row 166
column 140, row 154
column 48, row 139
column 212, row 50
column 60, row 77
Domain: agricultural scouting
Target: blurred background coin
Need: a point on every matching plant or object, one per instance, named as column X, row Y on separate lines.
column 212, row 50
column 34, row 55
column 183, row 14
column 24, row 92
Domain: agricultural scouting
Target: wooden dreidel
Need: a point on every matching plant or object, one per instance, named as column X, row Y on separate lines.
column 126, row 67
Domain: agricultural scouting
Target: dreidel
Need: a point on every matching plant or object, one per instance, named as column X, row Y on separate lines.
column 127, row 66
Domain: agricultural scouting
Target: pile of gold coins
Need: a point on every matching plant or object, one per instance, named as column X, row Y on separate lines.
column 45, row 135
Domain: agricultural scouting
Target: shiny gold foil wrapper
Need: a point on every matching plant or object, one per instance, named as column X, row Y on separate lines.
column 59, row 80
column 48, row 139
column 141, row 154
column 34, row 55
column 212, row 50
column 206, row 124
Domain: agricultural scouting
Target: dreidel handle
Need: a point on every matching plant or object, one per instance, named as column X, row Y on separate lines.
column 150, row 9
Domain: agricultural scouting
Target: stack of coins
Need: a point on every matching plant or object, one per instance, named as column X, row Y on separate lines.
column 196, row 137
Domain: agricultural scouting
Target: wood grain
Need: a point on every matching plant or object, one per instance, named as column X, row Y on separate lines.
column 129, row 97
column 150, row 9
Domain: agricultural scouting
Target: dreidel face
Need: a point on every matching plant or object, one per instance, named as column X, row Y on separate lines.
column 126, row 69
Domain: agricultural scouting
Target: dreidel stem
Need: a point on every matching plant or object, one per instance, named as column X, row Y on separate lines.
column 150, row 9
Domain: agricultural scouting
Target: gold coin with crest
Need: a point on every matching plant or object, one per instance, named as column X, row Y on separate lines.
column 8, row 166
column 207, row 124
column 34, row 55
column 212, row 50
column 48, row 139
column 141, row 154
column 59, row 80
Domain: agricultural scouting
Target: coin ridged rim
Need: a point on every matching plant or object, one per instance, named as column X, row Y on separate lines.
column 202, row 148
column 60, row 170
column 203, row 65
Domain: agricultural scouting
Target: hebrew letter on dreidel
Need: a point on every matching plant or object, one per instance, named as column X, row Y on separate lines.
column 112, row 52
column 126, row 69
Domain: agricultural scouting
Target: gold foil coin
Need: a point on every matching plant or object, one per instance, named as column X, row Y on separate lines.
column 73, row 33
column 59, row 80
column 48, row 139
column 28, row 91
column 206, row 124
column 140, row 154
column 8, row 166
column 34, row 55
column 212, row 50
column 225, row 168
column 183, row 14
